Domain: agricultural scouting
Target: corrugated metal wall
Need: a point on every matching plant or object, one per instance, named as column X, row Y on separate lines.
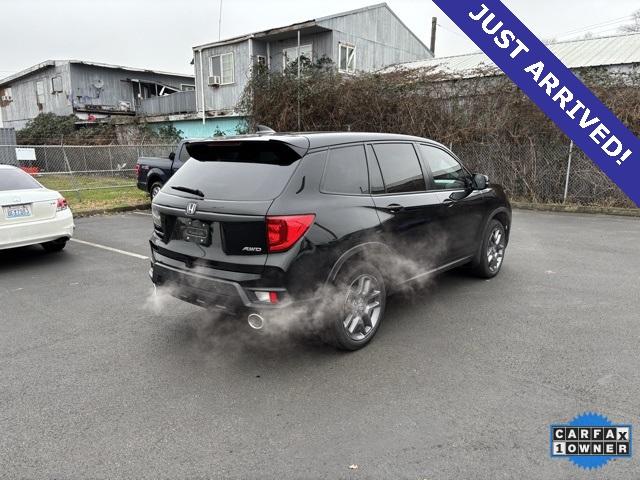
column 115, row 85
column 321, row 44
column 24, row 105
column 180, row 102
column 224, row 97
column 380, row 39
column 80, row 87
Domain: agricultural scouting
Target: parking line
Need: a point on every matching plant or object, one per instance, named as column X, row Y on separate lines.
column 142, row 213
column 111, row 249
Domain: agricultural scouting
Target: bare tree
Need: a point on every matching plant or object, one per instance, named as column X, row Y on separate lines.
column 634, row 26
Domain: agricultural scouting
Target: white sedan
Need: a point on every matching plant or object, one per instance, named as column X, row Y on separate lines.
column 31, row 214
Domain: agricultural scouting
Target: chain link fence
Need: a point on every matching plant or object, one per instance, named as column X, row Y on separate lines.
column 543, row 172
column 537, row 172
column 76, row 168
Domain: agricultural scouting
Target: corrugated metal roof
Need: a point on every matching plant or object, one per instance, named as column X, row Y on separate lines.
column 592, row 52
column 296, row 26
column 52, row 63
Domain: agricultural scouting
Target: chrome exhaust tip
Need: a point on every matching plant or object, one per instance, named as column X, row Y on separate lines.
column 255, row 321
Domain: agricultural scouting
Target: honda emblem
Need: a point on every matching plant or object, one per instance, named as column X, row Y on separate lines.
column 191, row 208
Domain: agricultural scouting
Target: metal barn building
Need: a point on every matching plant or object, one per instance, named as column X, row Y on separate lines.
column 366, row 39
column 88, row 90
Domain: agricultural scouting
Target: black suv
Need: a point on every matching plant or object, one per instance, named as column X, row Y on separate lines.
column 321, row 222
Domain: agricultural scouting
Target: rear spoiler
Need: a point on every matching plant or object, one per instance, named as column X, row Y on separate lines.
column 287, row 149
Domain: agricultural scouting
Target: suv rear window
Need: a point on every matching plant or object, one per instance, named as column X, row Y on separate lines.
column 237, row 170
column 346, row 171
column 16, row 180
column 400, row 167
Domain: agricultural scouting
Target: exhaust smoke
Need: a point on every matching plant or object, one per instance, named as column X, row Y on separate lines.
column 301, row 321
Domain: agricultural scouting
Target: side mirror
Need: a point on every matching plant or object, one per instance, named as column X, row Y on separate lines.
column 172, row 155
column 480, row 181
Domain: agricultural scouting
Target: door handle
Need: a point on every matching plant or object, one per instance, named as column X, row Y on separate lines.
column 394, row 208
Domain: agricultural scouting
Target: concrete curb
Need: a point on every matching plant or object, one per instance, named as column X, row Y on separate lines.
column 546, row 207
column 111, row 210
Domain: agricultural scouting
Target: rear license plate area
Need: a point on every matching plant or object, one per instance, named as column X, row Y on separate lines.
column 195, row 231
column 244, row 238
column 17, row 211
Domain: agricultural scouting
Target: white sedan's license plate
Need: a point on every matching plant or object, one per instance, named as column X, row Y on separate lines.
column 17, row 211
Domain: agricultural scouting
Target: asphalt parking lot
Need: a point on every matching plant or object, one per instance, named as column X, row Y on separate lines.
column 99, row 380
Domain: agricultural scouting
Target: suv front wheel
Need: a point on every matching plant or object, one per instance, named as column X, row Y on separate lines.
column 492, row 250
column 361, row 300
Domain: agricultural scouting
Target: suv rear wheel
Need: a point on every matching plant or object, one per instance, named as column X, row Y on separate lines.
column 361, row 298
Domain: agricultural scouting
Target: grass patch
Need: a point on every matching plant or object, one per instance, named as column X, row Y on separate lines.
column 122, row 195
column 68, row 182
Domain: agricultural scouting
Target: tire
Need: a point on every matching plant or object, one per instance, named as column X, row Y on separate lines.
column 491, row 255
column 55, row 245
column 155, row 188
column 361, row 300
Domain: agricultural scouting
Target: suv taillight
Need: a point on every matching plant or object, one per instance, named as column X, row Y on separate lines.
column 284, row 231
column 137, row 169
column 61, row 204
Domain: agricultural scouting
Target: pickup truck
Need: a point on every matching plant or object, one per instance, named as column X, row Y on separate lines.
column 153, row 172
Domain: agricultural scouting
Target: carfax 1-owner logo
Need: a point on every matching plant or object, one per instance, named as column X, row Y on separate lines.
column 590, row 440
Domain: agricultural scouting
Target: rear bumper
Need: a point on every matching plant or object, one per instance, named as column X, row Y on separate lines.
column 142, row 186
column 41, row 231
column 201, row 287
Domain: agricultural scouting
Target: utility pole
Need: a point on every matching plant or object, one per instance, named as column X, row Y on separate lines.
column 220, row 22
column 298, row 53
column 434, row 25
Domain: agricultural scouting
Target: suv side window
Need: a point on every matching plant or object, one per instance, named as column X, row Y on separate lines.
column 447, row 173
column 400, row 167
column 346, row 171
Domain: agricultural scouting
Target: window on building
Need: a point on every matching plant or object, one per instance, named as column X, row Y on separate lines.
column 40, row 92
column 290, row 55
column 56, row 85
column 222, row 66
column 187, row 88
column 400, row 167
column 446, row 171
column 261, row 60
column 346, row 58
column 346, row 171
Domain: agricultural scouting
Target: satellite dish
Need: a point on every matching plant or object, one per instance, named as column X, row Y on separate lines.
column 99, row 84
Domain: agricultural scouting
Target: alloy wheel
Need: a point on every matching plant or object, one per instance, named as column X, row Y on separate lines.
column 362, row 307
column 495, row 249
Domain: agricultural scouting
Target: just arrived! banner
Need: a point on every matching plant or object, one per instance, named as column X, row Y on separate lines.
column 552, row 86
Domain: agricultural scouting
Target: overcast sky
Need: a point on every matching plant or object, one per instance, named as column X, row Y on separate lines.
column 159, row 34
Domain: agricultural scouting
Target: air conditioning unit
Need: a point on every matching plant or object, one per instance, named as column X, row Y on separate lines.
column 214, row 80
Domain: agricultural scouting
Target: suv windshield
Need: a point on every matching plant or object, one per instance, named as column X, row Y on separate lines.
column 16, row 180
column 237, row 170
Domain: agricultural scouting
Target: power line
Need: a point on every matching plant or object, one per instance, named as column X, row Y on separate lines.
column 594, row 26
column 453, row 31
